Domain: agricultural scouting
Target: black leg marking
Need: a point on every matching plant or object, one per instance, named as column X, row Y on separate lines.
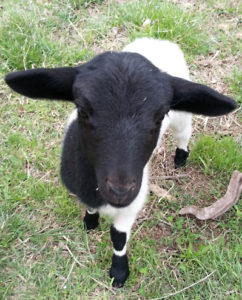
column 180, row 157
column 91, row 220
column 118, row 238
column 119, row 270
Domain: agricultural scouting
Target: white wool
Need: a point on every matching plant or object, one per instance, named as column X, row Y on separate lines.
column 165, row 55
column 169, row 58
column 72, row 117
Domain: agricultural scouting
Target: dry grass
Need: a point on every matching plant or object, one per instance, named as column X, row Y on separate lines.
column 47, row 254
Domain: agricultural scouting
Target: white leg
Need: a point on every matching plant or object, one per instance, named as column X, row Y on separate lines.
column 181, row 125
column 120, row 233
column 122, row 224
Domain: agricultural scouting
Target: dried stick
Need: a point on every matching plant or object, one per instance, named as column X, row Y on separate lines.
column 80, row 264
column 188, row 287
column 103, row 284
column 75, row 259
column 161, row 193
column 72, row 266
column 221, row 205
column 171, row 177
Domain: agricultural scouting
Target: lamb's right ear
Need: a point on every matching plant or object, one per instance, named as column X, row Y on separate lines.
column 53, row 83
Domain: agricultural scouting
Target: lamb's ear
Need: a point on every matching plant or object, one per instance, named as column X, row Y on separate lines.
column 43, row 83
column 200, row 99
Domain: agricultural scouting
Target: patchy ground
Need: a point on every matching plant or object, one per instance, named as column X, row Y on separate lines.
column 44, row 251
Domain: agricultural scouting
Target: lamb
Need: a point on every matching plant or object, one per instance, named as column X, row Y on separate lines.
column 124, row 103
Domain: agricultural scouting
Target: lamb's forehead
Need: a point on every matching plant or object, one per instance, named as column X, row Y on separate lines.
column 122, row 77
column 117, row 67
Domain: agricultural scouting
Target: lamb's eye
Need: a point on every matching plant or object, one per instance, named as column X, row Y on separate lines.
column 157, row 124
column 159, row 120
column 83, row 114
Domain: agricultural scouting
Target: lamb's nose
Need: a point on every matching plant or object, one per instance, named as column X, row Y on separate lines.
column 120, row 190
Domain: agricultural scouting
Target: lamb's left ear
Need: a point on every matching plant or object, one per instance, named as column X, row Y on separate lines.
column 199, row 99
column 53, row 83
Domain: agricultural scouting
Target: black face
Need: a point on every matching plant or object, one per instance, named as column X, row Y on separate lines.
column 119, row 121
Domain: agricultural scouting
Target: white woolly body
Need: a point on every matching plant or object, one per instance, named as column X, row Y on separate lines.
column 169, row 58
column 165, row 55
column 71, row 119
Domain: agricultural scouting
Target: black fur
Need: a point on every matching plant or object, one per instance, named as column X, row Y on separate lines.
column 180, row 157
column 77, row 173
column 118, row 238
column 43, row 83
column 121, row 116
column 119, row 270
column 199, row 99
column 91, row 220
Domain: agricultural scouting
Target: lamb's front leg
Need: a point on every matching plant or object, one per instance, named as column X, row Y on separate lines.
column 120, row 232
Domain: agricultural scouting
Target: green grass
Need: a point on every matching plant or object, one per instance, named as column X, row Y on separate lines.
column 166, row 21
column 226, row 7
column 221, row 155
column 236, row 85
column 40, row 223
column 39, row 35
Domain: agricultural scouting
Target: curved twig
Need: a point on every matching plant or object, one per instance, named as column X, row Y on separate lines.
column 221, row 205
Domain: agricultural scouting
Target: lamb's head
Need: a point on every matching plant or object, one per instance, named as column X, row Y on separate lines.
column 121, row 99
column 119, row 115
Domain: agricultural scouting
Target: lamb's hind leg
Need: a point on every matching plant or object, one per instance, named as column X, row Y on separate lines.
column 182, row 128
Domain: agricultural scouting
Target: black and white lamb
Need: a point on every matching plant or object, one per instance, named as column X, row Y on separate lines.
column 124, row 103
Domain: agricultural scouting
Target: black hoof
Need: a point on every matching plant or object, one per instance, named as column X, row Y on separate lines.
column 91, row 221
column 180, row 157
column 119, row 270
column 117, row 284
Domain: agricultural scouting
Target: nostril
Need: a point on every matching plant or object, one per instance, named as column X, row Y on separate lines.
column 115, row 188
column 132, row 185
column 120, row 189
column 109, row 184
